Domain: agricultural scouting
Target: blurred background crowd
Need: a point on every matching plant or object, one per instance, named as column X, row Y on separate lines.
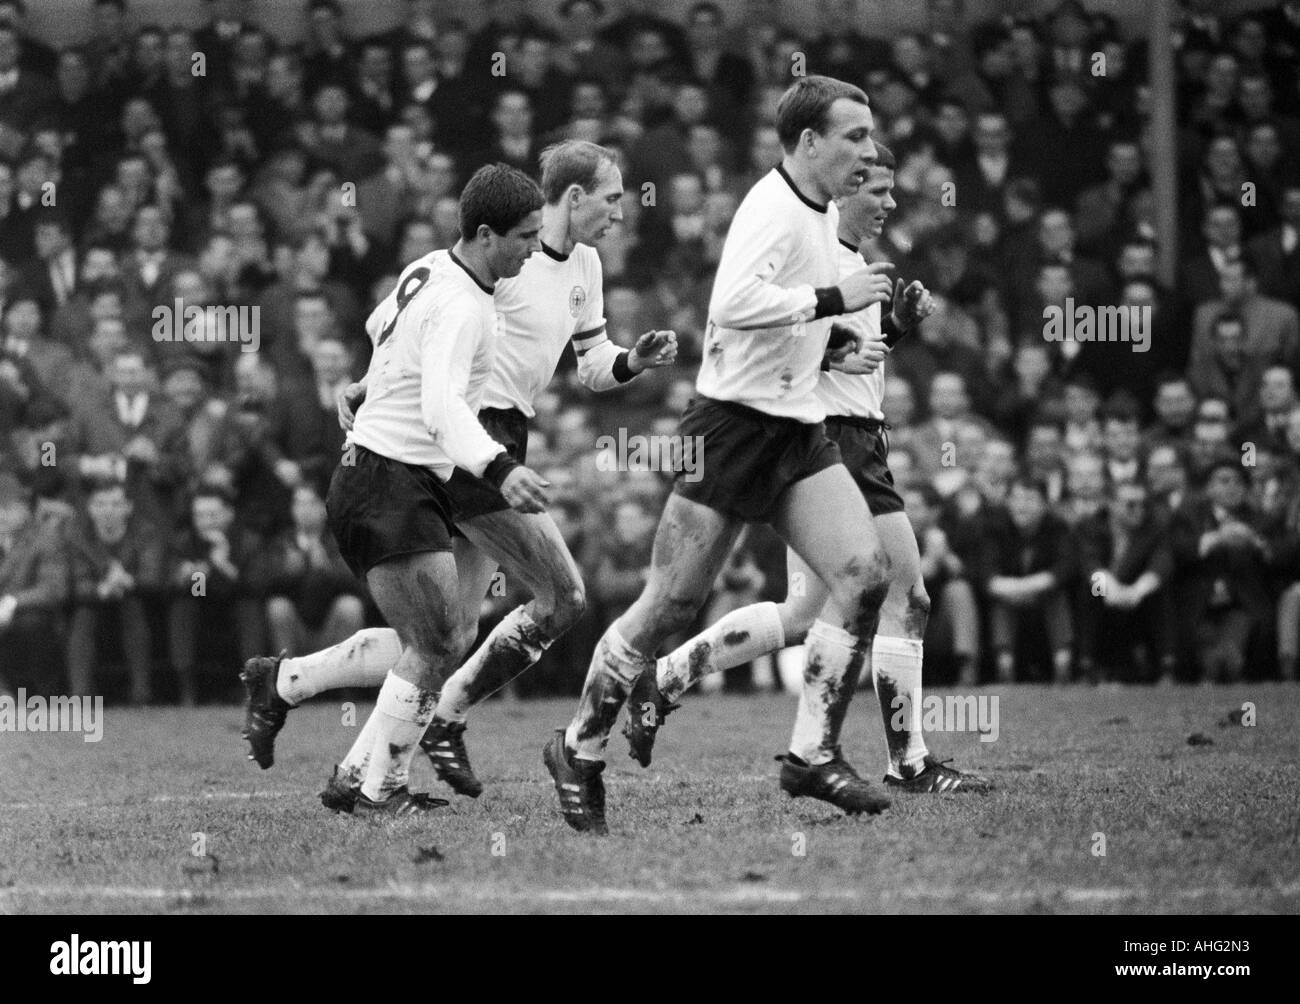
column 1085, row 511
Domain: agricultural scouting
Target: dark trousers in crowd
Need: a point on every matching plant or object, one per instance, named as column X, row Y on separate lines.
column 1020, row 635
column 1130, row 646
column 31, row 656
column 87, row 629
column 192, row 619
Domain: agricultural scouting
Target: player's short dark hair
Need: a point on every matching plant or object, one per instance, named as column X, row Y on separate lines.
column 806, row 104
column 498, row 196
column 885, row 158
column 571, row 162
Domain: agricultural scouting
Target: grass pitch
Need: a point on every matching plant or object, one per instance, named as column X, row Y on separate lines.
column 165, row 815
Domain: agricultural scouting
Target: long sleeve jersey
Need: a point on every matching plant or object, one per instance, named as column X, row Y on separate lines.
column 435, row 338
column 555, row 299
column 855, row 394
column 765, row 338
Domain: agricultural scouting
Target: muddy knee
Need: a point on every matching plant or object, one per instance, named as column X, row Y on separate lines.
column 916, row 613
column 863, row 586
column 678, row 614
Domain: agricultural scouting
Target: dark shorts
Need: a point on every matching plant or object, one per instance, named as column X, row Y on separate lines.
column 471, row 496
column 380, row 508
column 749, row 458
column 864, row 445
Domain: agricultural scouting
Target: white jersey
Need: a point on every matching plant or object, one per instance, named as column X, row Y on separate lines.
column 859, row 394
column 434, row 337
column 554, row 298
column 764, row 345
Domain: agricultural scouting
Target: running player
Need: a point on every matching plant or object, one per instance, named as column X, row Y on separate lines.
column 556, row 298
column 435, row 337
column 766, row 458
column 852, row 392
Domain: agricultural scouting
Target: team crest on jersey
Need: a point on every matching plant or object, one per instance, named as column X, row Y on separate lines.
column 577, row 300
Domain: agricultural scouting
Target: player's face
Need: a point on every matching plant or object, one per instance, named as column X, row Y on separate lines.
column 595, row 212
column 844, row 153
column 872, row 204
column 507, row 252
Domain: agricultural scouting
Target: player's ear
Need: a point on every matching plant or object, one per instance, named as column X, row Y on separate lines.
column 575, row 193
column 483, row 233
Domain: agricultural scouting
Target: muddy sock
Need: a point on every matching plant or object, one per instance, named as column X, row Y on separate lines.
column 834, row 662
column 896, row 673
column 514, row 644
column 615, row 665
column 360, row 661
column 739, row 637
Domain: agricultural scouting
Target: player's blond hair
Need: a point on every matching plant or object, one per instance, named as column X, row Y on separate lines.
column 572, row 162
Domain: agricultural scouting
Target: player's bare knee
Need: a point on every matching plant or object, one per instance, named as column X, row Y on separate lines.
column 917, row 612
column 677, row 613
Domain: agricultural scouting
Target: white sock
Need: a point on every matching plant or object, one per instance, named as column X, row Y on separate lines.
column 615, row 665
column 514, row 644
column 835, row 662
column 358, row 759
column 402, row 713
column 739, row 637
column 360, row 661
column 896, row 673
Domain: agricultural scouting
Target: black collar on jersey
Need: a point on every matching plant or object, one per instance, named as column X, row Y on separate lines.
column 844, row 243
column 780, row 169
column 552, row 253
column 469, row 272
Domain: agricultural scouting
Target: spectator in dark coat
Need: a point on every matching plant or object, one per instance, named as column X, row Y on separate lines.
column 313, row 600
column 1029, row 565
column 215, row 585
column 33, row 588
column 118, row 568
column 1221, row 537
column 1122, row 612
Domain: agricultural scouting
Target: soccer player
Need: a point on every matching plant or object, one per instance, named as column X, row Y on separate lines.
column 852, row 392
column 435, row 337
column 557, row 297
column 766, row 458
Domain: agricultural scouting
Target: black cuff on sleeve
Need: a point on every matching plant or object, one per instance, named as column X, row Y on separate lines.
column 499, row 469
column 830, row 301
column 622, row 372
column 892, row 333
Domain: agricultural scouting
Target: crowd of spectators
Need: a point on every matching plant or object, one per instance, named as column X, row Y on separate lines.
column 1085, row 510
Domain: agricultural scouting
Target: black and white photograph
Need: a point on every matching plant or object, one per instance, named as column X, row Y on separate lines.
column 649, row 457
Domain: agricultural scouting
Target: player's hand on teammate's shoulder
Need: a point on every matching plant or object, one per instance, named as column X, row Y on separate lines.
column 525, row 490
column 912, row 304
column 348, row 403
column 871, row 285
column 652, row 350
